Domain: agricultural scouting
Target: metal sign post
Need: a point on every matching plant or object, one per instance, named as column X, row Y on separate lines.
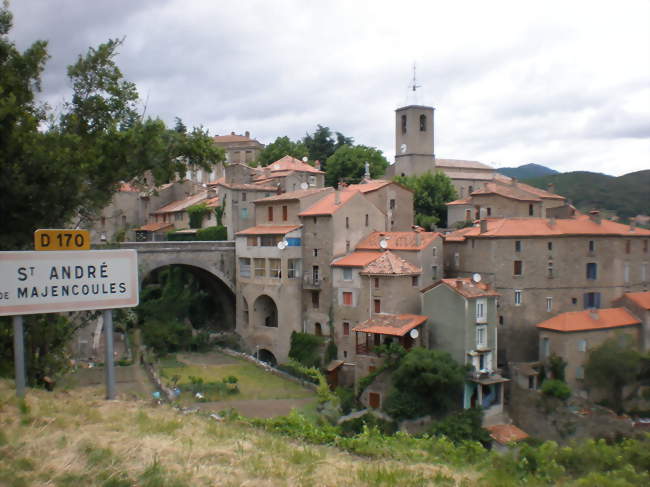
column 109, row 359
column 19, row 355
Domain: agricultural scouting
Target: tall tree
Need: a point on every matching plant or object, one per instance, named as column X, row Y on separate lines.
column 347, row 164
column 323, row 143
column 280, row 147
column 612, row 366
column 431, row 193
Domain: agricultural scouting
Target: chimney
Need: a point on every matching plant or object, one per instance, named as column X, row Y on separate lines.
column 483, row 225
column 594, row 216
column 632, row 225
column 513, row 181
column 247, row 134
column 337, row 194
column 317, row 164
column 459, row 283
column 232, row 133
column 551, row 222
column 418, row 239
column 551, row 188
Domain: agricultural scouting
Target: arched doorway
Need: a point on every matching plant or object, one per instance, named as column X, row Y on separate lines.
column 265, row 312
column 267, row 356
column 318, row 329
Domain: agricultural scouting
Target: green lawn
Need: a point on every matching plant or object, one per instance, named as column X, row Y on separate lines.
column 254, row 382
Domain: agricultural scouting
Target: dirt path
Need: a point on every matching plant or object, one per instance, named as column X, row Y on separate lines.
column 257, row 408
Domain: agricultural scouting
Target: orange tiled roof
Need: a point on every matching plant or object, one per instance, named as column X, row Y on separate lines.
column 517, row 191
column 541, row 227
column 269, row 230
column 395, row 325
column 398, row 240
column 154, row 227
column 288, row 163
column 127, row 188
column 212, row 202
column 182, row 205
column 462, row 201
column 589, row 320
column 246, row 187
column 391, row 264
column 465, row 287
column 506, row 433
column 356, row 259
column 328, row 205
column 293, row 195
column 371, row 185
column 232, row 138
column 642, row 299
column 461, row 164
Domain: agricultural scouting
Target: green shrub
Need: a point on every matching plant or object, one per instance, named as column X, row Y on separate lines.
column 331, row 352
column 347, row 398
column 305, row 348
column 299, row 371
column 462, row 426
column 556, row 388
column 212, row 233
column 356, row 426
column 180, row 237
column 197, row 213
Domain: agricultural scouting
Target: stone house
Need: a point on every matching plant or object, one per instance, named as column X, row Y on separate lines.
column 639, row 305
column 462, row 320
column 572, row 334
column 239, row 148
column 290, row 174
column 502, row 198
column 542, row 267
column 176, row 211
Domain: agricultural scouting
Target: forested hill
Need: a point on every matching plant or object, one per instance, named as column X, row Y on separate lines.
column 527, row 171
column 627, row 195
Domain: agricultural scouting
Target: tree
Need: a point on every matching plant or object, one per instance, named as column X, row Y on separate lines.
column 431, row 193
column 612, row 366
column 347, row 164
column 322, row 144
column 280, row 147
column 425, row 382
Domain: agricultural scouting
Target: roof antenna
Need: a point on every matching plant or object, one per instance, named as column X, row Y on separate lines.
column 412, row 97
column 414, row 86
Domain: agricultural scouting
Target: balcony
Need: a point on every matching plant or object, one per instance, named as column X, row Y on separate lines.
column 310, row 281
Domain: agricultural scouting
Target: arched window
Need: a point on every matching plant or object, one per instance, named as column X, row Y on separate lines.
column 423, row 123
column 403, row 124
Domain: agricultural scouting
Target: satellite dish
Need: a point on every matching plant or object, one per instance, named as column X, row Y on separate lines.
column 476, row 277
column 282, row 244
column 304, row 159
column 402, row 148
column 304, row 185
column 383, row 243
column 414, row 333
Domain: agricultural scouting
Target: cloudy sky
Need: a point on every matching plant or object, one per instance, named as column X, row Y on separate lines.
column 560, row 83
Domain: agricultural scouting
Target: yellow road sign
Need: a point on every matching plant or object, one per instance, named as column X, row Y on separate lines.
column 62, row 240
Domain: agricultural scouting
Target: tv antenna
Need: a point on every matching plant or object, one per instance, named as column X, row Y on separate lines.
column 414, row 86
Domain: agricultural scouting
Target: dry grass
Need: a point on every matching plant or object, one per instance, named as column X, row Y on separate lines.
column 78, row 439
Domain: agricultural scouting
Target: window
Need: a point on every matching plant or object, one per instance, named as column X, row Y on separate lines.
column 346, row 329
column 315, row 252
column 434, row 272
column 244, row 267
column 415, row 281
column 645, row 246
column 435, row 251
column 178, row 216
column 481, row 336
column 644, row 271
column 123, row 219
column 549, row 268
column 347, row 246
column 315, row 299
column 270, row 213
column 580, row 372
column 275, row 269
column 377, row 305
column 626, row 272
column 269, row 240
column 489, row 211
column 315, row 274
column 367, row 220
column 423, row 123
column 403, row 124
column 470, row 190
column 103, row 221
column 480, row 310
column 243, row 196
column 549, row 245
column 376, row 282
column 592, row 245
column 244, row 213
column 260, row 267
column 456, row 259
column 582, row 345
column 591, row 300
column 545, row 348
column 391, row 204
column 517, row 245
column 574, row 301
column 251, row 241
column 347, row 273
column 530, row 209
column 468, row 215
column 314, row 220
column 312, row 181
column 294, row 242
column 347, row 222
column 628, row 246
column 517, row 297
column 518, row 268
column 549, row 304
column 347, row 298
column 592, row 270
column 501, row 320
column 293, row 268
column 285, row 213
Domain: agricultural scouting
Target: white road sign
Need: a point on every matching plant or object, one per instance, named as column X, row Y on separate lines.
column 48, row 282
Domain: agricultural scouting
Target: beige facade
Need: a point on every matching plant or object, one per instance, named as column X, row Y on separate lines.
column 239, row 148
column 543, row 267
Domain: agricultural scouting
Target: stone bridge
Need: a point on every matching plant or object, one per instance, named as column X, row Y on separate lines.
column 215, row 258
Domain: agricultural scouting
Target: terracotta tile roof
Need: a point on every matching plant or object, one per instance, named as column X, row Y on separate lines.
column 472, row 176
column 371, row 185
column 398, row 240
column 328, row 205
column 182, row 205
column 232, row 138
column 642, row 299
column 465, row 287
column 589, row 320
column 541, row 227
column 269, row 230
column 288, row 163
column 128, row 188
column 390, row 264
column 516, row 191
column 462, row 201
column 246, row 187
column 294, row 195
column 506, row 433
column 212, row 202
column 154, row 227
column 395, row 325
column 460, row 164
column 356, row 259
